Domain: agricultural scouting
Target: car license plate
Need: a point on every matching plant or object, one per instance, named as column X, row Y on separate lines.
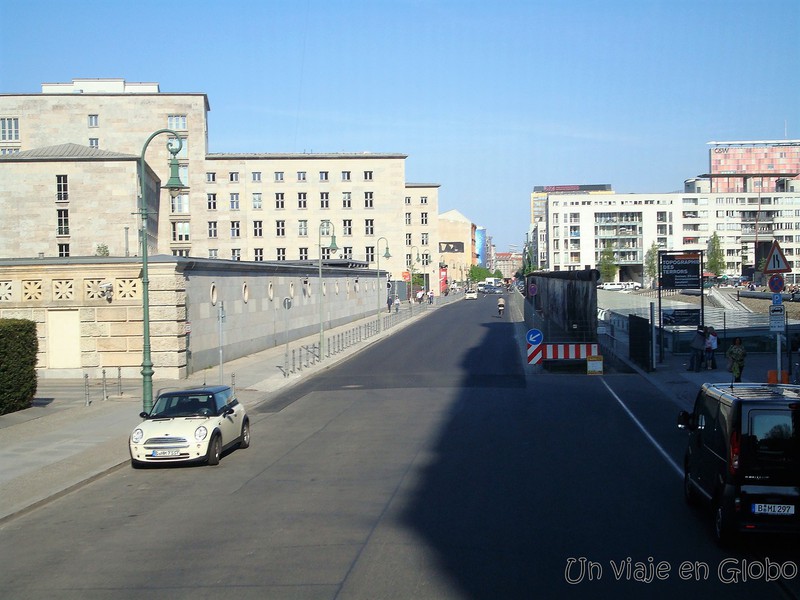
column 166, row 453
column 773, row 509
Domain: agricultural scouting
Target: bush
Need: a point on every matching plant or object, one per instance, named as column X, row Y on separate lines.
column 18, row 348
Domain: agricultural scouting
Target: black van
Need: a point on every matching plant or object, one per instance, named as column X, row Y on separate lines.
column 743, row 456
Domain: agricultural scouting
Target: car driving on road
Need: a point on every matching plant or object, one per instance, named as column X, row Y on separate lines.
column 192, row 425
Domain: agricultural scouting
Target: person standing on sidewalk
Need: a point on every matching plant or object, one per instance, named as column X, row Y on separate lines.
column 735, row 355
column 711, row 348
column 389, row 303
column 698, row 347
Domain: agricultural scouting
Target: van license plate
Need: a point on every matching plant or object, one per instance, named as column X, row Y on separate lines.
column 773, row 509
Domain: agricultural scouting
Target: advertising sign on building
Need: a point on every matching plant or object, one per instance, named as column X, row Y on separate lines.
column 451, row 247
column 680, row 271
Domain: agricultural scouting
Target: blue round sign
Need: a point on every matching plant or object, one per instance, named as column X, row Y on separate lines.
column 776, row 283
column 534, row 337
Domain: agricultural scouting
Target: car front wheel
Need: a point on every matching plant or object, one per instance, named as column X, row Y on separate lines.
column 214, row 450
column 244, row 439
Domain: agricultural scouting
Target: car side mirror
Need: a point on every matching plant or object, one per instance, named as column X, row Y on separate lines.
column 228, row 411
column 144, row 415
column 684, row 420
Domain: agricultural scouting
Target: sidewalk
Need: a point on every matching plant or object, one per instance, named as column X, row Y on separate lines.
column 62, row 443
column 70, row 436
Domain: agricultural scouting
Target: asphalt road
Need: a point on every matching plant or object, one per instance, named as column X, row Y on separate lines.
column 428, row 466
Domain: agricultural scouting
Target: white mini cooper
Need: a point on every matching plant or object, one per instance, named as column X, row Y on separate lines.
column 194, row 425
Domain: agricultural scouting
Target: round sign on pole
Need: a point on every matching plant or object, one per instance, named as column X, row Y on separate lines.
column 534, row 337
column 532, row 289
column 776, row 283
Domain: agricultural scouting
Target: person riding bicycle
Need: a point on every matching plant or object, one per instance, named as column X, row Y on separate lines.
column 501, row 306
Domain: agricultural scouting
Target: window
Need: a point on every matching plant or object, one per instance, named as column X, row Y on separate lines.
column 4, row 151
column 345, row 175
column 62, row 188
column 424, row 241
column 423, row 218
column 280, row 228
column 326, row 253
column 236, row 229
column 176, row 122
column 279, row 201
column 212, row 229
column 258, row 228
column 408, row 199
column 233, row 177
column 278, row 176
column 280, row 253
column 426, row 260
column 408, row 218
column 9, row 132
column 368, row 200
column 347, row 227
column 183, row 174
column 63, row 250
column 180, row 252
column 94, row 120
column 257, row 204
column 258, row 254
column 408, row 239
column 180, row 231
column 236, row 254
column 302, row 228
column 369, row 252
column 211, row 201
column 213, row 253
column 423, row 200
column 62, row 215
column 303, row 253
column 180, row 204
column 301, row 200
column 346, row 200
column 347, row 252
column 367, row 175
column 323, row 176
column 211, row 177
column 324, row 200
column 301, row 176
column 256, row 176
column 234, row 201
column 94, row 142
column 369, row 226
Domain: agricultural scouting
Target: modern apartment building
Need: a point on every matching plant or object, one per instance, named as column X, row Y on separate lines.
column 69, row 186
column 760, row 203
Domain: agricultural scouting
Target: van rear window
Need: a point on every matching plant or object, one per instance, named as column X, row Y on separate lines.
column 773, row 435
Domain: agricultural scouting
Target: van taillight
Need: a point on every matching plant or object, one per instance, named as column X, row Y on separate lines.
column 733, row 462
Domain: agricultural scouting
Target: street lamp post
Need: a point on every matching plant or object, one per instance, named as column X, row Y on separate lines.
column 412, row 272
column 175, row 186
column 333, row 248
column 378, row 274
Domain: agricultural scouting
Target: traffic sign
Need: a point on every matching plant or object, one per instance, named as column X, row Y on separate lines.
column 776, row 284
column 532, row 289
column 534, row 337
column 777, row 318
column 777, row 299
column 776, row 261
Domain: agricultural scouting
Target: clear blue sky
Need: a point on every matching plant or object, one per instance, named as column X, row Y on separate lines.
column 486, row 98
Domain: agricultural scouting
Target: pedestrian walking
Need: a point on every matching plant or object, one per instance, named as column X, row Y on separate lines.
column 430, row 296
column 396, row 303
column 736, row 355
column 389, row 303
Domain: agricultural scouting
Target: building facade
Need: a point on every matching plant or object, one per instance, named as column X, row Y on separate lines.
column 251, row 207
column 580, row 224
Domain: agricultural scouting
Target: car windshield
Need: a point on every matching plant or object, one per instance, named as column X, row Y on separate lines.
column 183, row 405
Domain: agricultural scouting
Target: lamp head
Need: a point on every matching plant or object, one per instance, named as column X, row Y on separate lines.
column 333, row 247
column 174, row 185
column 386, row 254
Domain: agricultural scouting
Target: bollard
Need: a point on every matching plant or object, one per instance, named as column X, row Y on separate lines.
column 294, row 361
column 86, row 389
column 105, row 390
column 119, row 381
column 233, row 384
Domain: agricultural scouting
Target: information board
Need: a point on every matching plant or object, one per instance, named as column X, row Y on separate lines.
column 680, row 271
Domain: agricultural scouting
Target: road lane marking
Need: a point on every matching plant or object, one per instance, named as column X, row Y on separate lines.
column 641, row 427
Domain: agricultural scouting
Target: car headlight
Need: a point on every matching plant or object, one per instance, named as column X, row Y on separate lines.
column 200, row 433
column 137, row 436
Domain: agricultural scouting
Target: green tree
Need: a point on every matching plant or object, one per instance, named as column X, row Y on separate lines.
column 606, row 265
column 651, row 262
column 478, row 273
column 497, row 273
column 716, row 259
